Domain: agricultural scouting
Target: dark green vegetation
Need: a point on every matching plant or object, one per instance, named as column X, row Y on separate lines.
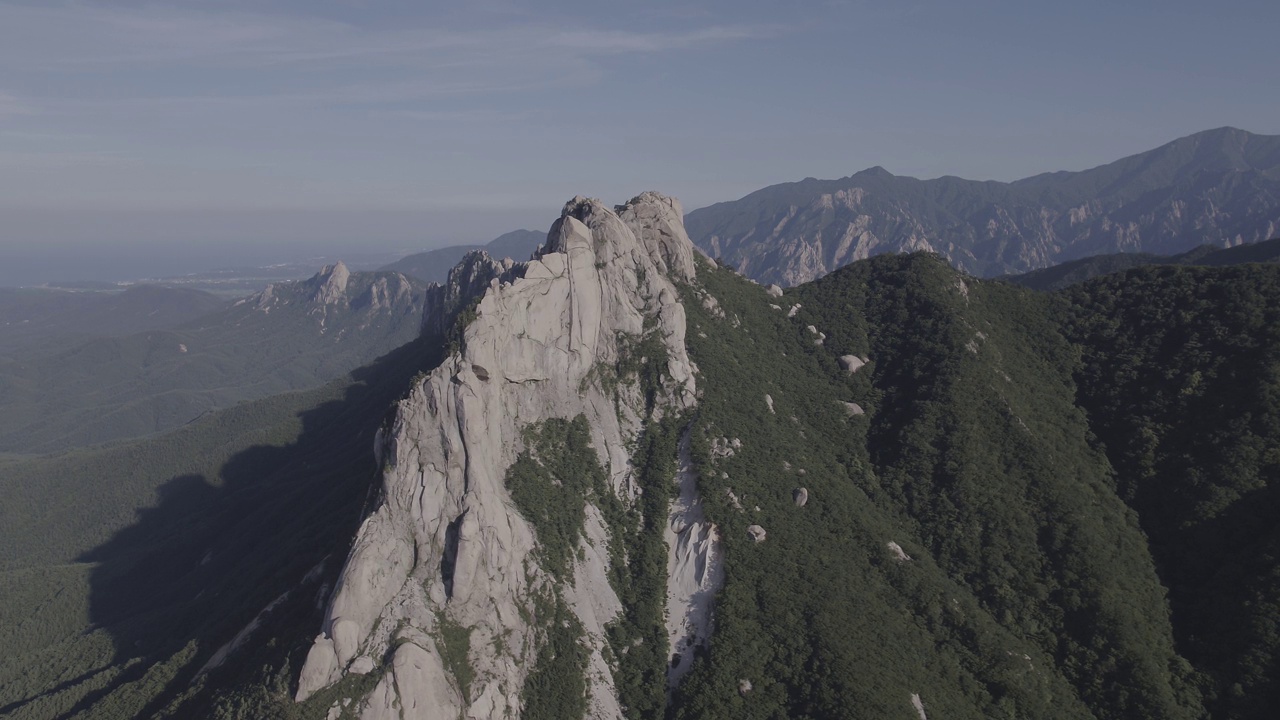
column 287, row 339
column 1219, row 186
column 1085, row 482
column 1181, row 378
column 1077, row 271
column 638, row 638
column 39, row 321
column 433, row 266
column 1030, row 592
column 455, row 644
column 551, row 482
column 555, row 688
column 109, row 611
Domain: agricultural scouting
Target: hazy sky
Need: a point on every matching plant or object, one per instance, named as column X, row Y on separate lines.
column 411, row 124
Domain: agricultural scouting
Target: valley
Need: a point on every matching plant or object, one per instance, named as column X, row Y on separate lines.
column 897, row 489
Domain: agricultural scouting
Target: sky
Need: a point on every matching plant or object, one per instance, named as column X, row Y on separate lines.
column 186, row 133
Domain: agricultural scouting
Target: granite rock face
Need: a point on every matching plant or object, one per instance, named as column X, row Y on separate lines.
column 467, row 282
column 333, row 281
column 694, row 573
column 446, row 543
column 851, row 363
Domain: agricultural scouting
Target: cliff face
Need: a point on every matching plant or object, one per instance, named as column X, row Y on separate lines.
column 447, row 547
column 1218, row 187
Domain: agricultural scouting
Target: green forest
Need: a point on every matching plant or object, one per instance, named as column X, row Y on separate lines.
column 1055, row 503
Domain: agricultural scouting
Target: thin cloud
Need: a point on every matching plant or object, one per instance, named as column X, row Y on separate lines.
column 241, row 59
column 67, row 36
column 11, row 106
column 615, row 41
column 61, row 160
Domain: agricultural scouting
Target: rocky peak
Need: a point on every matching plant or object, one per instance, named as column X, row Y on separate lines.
column 446, row 543
column 330, row 284
column 468, row 280
column 876, row 171
column 656, row 223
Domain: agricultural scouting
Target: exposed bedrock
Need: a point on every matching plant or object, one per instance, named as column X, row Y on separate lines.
column 446, row 544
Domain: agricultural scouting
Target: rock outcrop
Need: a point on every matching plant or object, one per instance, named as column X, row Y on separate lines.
column 467, row 282
column 851, row 363
column 801, row 496
column 918, row 704
column 693, row 570
column 898, row 553
column 445, row 543
column 331, row 284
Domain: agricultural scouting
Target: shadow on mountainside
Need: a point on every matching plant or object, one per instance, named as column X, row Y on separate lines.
column 1223, row 592
column 200, row 565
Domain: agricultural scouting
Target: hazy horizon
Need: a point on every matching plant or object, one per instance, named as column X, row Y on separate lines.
column 162, row 245
column 173, row 136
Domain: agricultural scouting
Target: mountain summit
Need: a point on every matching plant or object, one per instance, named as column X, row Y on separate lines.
column 1218, row 187
column 444, row 549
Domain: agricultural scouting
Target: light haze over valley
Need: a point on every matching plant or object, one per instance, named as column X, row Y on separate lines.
column 833, row 360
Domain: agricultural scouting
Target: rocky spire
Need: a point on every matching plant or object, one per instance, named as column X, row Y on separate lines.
column 535, row 333
column 331, row 284
column 468, row 281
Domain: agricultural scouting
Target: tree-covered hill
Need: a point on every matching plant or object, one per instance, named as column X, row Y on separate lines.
column 1076, row 271
column 1030, row 591
column 1180, row 376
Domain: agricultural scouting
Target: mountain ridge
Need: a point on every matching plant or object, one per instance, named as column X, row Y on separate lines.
column 1219, row 186
column 1078, row 271
column 433, row 265
column 291, row 336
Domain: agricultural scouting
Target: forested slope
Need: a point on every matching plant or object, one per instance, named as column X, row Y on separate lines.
column 1030, row 591
column 932, row 494
column 1181, row 379
column 38, row 321
column 126, row 566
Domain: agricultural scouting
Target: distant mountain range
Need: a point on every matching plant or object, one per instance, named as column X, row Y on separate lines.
column 1218, row 187
column 292, row 336
column 433, row 266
